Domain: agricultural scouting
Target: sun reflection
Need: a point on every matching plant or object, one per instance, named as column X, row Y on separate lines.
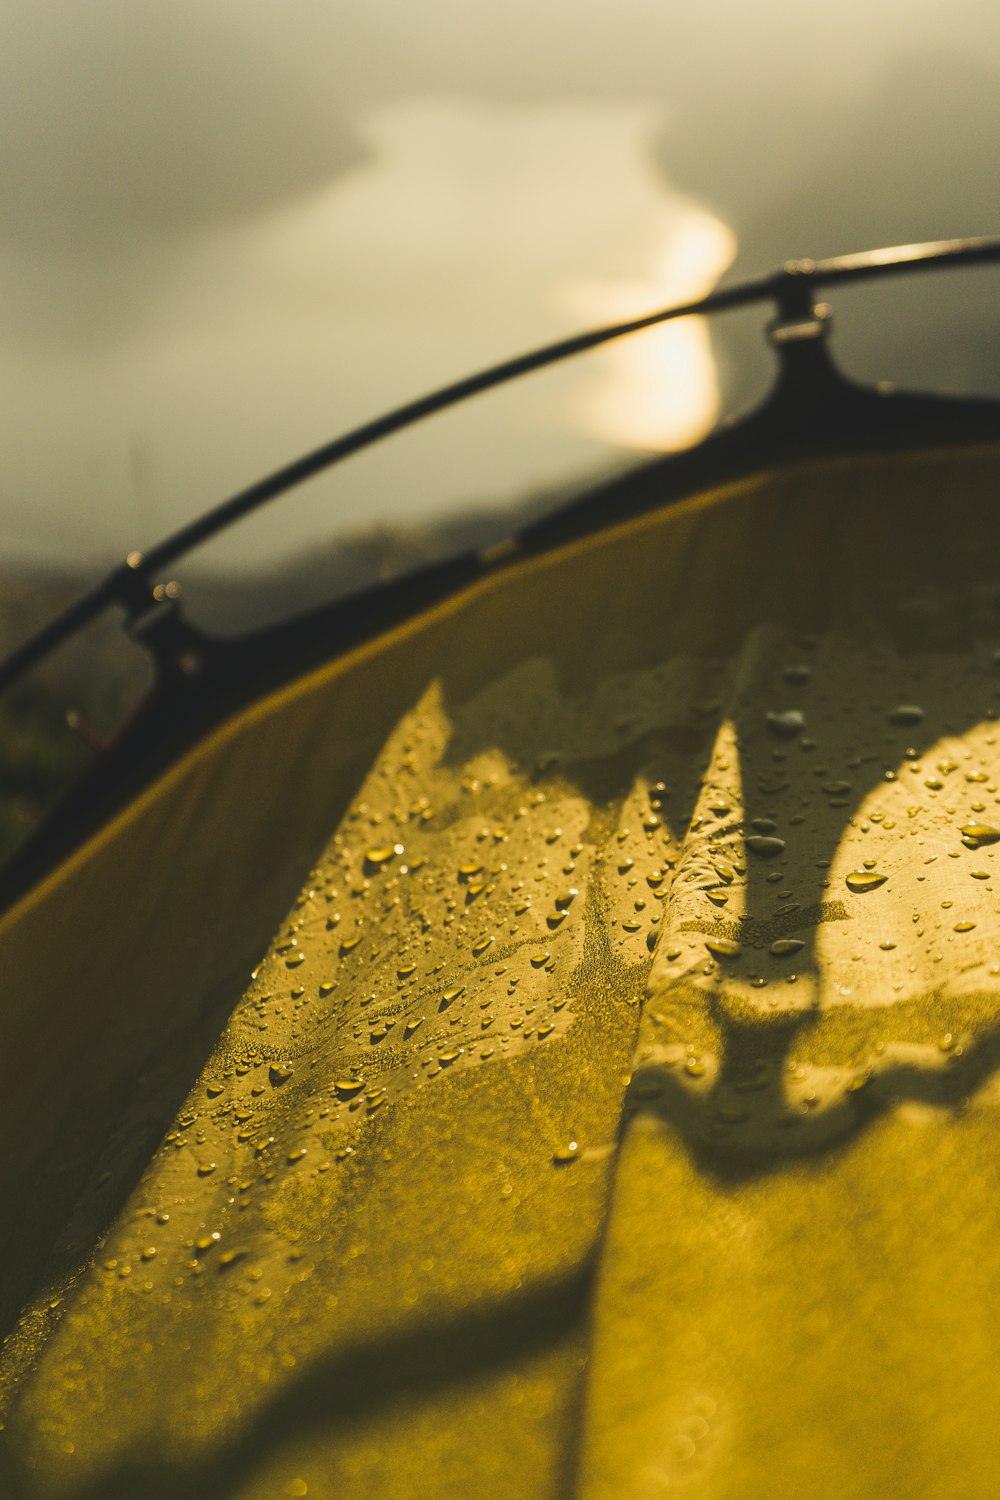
column 656, row 390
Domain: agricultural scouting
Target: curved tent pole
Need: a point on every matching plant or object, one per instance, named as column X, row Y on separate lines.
column 199, row 680
column 798, row 327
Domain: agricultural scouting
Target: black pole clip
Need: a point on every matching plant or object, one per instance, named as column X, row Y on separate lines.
column 154, row 620
column 799, row 335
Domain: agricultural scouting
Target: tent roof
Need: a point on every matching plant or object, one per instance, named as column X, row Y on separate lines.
column 430, row 984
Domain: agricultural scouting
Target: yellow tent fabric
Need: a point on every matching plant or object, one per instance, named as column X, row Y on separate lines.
column 548, row 1052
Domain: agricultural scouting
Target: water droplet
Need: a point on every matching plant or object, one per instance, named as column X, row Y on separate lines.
column 538, row 960
column 694, row 1067
column 452, row 993
column 566, row 1153
column 865, row 880
column 765, row 846
column 906, row 714
column 964, row 926
column 796, row 674
column 207, row 1242
column 149, row 1253
column 481, row 946
column 213, row 1090
column 296, row 1155
column 411, row 1026
column 279, row 1073
column 206, row 1168
column 450, row 1056
column 296, row 1487
column 349, row 943
column 836, row 788
column 786, row 725
column 348, row 1086
column 723, row 947
column 783, row 947
column 293, row 960
column 647, row 1088
column 976, row 834
column 382, row 854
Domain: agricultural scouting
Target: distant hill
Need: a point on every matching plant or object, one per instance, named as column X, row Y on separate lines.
column 233, row 603
column 100, row 676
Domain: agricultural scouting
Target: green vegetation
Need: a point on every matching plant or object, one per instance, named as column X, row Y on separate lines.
column 99, row 675
column 39, row 757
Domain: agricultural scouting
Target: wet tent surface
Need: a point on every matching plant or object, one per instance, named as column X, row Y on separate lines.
column 611, row 1111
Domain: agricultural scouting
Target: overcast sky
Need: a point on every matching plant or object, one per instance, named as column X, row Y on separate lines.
column 232, row 228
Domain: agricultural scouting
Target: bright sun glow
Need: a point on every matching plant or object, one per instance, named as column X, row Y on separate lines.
column 657, row 390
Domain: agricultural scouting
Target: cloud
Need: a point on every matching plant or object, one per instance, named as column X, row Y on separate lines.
column 452, row 245
column 120, row 120
column 232, row 228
